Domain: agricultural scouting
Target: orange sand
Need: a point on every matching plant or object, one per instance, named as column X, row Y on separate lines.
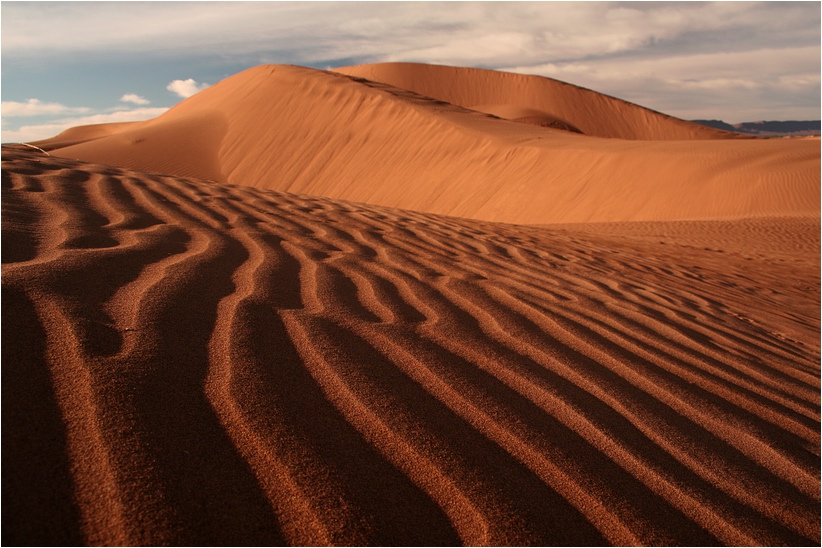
column 191, row 362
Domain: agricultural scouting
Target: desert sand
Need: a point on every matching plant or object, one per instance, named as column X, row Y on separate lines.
column 410, row 305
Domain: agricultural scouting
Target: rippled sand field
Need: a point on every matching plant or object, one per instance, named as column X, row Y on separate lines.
column 189, row 362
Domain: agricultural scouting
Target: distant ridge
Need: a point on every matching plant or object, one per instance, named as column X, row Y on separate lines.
column 768, row 128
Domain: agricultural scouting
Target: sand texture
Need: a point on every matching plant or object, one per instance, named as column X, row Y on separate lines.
column 566, row 155
column 189, row 362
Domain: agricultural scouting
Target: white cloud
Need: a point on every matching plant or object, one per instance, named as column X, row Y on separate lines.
column 44, row 131
column 35, row 107
column 134, row 98
column 726, row 85
column 448, row 31
column 186, row 88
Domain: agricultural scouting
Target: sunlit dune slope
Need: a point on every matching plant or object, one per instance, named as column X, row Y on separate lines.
column 191, row 363
column 326, row 134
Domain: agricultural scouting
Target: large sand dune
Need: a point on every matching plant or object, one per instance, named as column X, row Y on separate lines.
column 188, row 362
column 347, row 137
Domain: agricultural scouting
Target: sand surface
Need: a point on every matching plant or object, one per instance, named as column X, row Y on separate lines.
column 410, row 305
column 187, row 362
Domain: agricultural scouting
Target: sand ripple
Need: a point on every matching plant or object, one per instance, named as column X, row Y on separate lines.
column 189, row 363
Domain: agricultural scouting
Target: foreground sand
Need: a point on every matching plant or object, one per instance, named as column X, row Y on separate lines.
column 186, row 362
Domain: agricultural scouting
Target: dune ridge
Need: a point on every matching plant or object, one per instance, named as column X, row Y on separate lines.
column 348, row 137
column 507, row 94
column 220, row 364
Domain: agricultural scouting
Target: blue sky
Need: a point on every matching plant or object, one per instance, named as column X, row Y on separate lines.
column 72, row 63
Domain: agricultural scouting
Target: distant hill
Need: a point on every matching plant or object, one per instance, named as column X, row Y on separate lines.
column 772, row 128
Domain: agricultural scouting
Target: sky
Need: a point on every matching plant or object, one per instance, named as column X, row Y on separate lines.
column 74, row 63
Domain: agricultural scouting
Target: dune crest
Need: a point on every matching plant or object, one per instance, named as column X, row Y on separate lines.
column 347, row 137
column 593, row 113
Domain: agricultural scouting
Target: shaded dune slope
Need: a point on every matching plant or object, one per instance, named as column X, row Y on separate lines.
column 215, row 364
column 326, row 134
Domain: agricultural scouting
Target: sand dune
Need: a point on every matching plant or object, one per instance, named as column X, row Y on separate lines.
column 187, row 362
column 505, row 94
column 347, row 137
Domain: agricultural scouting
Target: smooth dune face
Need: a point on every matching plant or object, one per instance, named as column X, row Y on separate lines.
column 348, row 136
column 187, row 362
